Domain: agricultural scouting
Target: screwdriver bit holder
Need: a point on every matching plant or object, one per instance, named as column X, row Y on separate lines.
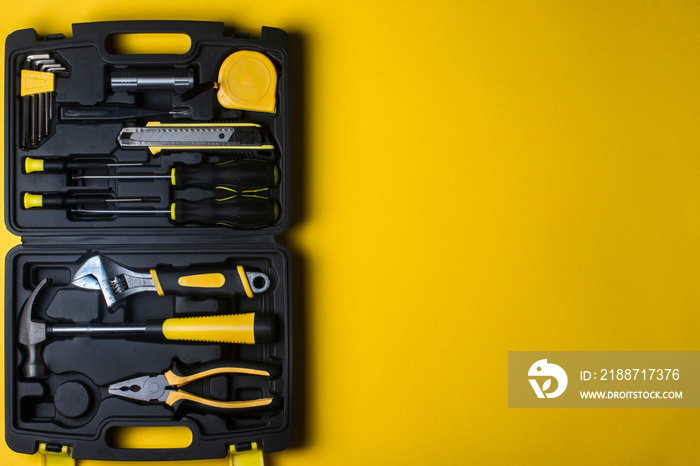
column 76, row 187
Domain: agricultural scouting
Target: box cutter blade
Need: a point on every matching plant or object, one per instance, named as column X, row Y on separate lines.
column 164, row 136
column 213, row 280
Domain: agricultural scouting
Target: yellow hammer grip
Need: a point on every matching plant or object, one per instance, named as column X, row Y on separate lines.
column 233, row 328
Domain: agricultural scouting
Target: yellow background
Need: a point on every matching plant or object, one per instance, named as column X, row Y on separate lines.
column 472, row 178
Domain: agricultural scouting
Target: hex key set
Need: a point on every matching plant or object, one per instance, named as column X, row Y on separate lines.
column 148, row 289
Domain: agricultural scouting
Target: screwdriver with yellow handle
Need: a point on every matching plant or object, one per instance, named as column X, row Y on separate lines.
column 246, row 176
column 238, row 213
column 55, row 200
column 62, row 164
column 233, row 212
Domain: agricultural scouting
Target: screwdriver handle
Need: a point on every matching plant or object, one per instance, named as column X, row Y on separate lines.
column 240, row 175
column 218, row 281
column 56, row 165
column 61, row 164
column 250, row 328
column 240, row 213
column 52, row 201
column 32, row 165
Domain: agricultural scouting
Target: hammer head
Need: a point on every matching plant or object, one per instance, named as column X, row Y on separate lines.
column 31, row 335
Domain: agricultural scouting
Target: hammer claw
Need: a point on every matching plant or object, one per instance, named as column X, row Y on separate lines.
column 31, row 335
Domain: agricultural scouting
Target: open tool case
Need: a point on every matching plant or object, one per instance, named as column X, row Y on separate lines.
column 71, row 109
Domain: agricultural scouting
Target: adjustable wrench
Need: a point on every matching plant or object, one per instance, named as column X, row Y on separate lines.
column 208, row 280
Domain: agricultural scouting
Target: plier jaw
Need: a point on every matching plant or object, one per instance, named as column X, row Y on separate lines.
column 146, row 388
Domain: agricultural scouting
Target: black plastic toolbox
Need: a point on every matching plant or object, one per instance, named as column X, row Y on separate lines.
column 61, row 198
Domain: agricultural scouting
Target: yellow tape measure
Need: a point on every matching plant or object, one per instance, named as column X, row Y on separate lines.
column 247, row 81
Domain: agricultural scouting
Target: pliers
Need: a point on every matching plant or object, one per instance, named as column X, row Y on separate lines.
column 164, row 388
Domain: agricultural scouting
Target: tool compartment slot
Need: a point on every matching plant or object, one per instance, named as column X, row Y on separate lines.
column 97, row 96
column 83, row 366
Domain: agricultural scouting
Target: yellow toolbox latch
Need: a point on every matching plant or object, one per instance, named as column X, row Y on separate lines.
column 246, row 454
column 56, row 455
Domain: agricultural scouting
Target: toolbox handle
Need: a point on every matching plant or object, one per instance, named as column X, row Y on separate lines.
column 124, row 444
column 99, row 32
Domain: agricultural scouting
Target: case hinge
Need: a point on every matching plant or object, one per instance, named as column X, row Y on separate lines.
column 245, row 454
column 56, row 455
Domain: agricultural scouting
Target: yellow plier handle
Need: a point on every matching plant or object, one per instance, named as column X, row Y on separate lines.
column 175, row 396
column 178, row 395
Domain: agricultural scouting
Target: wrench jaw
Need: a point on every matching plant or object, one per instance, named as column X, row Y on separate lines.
column 87, row 282
column 91, row 276
column 120, row 282
column 115, row 282
column 126, row 284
